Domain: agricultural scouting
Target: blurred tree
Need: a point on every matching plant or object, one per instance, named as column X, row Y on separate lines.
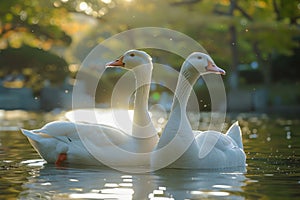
column 261, row 29
column 32, row 22
column 233, row 31
column 28, row 30
column 36, row 64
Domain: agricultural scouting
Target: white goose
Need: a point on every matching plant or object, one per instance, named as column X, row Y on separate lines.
column 63, row 141
column 180, row 146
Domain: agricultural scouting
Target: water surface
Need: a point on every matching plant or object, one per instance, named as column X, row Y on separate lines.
column 272, row 145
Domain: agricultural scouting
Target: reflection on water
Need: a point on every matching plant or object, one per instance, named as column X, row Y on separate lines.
column 273, row 157
column 104, row 183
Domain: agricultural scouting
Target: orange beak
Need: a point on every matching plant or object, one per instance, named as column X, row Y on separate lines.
column 116, row 63
column 213, row 68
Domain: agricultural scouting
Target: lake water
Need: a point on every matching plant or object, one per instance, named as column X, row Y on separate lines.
column 272, row 145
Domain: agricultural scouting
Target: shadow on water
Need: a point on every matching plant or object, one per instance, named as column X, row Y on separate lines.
column 273, row 157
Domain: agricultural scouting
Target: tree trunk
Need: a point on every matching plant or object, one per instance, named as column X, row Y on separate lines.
column 264, row 65
column 233, row 80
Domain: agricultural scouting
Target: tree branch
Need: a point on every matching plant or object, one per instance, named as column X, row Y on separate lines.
column 219, row 12
column 233, row 6
column 276, row 10
column 243, row 12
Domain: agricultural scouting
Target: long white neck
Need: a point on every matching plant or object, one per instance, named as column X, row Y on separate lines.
column 178, row 122
column 141, row 98
column 143, row 129
column 186, row 80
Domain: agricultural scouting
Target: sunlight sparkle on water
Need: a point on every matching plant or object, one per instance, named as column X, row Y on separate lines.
column 273, row 163
column 98, row 196
column 213, row 193
column 219, row 193
column 119, row 191
column 111, row 185
column 47, row 183
column 34, row 162
column 125, row 184
column 159, row 194
column 76, row 189
column 221, row 186
column 126, row 176
column 127, row 180
column 109, row 193
column 162, row 188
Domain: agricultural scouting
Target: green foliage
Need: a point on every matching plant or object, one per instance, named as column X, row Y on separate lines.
column 264, row 28
column 31, row 22
column 29, row 29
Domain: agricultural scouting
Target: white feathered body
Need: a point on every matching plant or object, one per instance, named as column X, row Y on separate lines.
column 87, row 144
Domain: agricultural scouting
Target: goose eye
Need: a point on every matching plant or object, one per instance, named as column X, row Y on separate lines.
column 132, row 55
column 199, row 57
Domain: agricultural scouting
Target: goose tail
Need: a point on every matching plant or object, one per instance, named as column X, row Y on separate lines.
column 31, row 135
column 236, row 134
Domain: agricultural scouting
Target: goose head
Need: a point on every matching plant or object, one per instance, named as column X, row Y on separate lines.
column 132, row 59
column 202, row 63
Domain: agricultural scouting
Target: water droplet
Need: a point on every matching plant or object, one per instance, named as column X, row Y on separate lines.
column 268, row 139
column 253, row 136
column 288, row 135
